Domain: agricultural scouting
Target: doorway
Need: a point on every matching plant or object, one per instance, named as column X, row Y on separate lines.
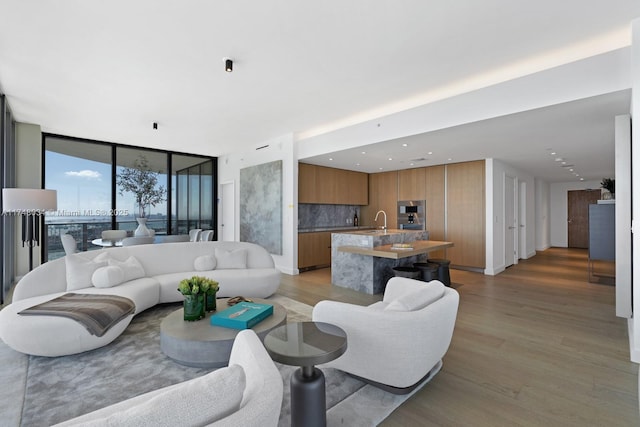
column 578, row 202
column 228, row 211
column 510, row 222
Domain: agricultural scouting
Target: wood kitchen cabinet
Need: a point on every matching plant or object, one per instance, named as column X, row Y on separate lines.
column 434, row 209
column 314, row 249
column 466, row 213
column 330, row 186
column 411, row 184
column 383, row 195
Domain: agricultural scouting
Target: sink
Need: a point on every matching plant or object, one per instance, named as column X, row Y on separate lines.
column 376, row 232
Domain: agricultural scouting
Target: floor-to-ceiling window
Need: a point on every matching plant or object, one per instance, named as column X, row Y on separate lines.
column 92, row 196
column 193, row 206
column 8, row 179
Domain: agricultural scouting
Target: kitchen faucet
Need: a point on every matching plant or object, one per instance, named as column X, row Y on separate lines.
column 384, row 227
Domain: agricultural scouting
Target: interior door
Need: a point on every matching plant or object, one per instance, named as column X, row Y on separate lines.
column 510, row 225
column 522, row 227
column 228, row 212
column 578, row 202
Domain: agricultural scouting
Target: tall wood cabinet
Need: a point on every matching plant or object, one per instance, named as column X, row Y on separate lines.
column 465, row 191
column 435, row 207
column 383, row 195
column 411, row 184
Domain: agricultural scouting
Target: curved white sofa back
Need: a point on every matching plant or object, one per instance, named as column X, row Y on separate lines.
column 156, row 259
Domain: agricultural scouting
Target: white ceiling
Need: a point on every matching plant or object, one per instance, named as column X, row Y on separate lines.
column 107, row 71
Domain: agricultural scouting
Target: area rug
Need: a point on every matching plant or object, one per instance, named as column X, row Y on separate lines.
column 43, row 391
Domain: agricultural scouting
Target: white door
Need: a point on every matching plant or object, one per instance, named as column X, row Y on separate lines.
column 228, row 211
column 522, row 211
column 510, row 233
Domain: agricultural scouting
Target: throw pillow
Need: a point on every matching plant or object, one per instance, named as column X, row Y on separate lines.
column 198, row 402
column 131, row 267
column 204, row 263
column 80, row 270
column 107, row 277
column 430, row 292
column 231, row 259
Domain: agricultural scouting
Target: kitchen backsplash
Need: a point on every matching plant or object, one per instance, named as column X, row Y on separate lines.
column 315, row 216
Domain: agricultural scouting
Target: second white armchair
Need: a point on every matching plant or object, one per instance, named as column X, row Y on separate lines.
column 399, row 342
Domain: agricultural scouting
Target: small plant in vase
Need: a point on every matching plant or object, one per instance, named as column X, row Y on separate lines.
column 609, row 184
column 197, row 291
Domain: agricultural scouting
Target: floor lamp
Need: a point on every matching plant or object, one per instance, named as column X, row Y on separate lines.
column 30, row 204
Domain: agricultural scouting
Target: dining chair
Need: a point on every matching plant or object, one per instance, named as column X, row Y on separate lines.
column 69, row 244
column 206, row 235
column 194, row 234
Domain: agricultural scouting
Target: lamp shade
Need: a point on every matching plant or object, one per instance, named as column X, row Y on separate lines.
column 28, row 200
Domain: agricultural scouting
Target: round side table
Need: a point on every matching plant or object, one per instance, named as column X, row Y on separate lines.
column 307, row 344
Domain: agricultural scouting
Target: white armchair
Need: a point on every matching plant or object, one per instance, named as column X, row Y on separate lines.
column 400, row 341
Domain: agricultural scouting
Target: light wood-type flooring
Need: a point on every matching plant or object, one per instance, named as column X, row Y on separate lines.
column 537, row 345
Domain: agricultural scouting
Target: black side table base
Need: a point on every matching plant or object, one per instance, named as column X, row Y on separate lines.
column 308, row 401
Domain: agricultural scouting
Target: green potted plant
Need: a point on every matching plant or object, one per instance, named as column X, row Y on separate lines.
column 142, row 182
column 196, row 291
column 609, row 184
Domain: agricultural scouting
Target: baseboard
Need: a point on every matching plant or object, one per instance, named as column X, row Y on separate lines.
column 634, row 352
column 494, row 271
column 289, row 271
column 543, row 248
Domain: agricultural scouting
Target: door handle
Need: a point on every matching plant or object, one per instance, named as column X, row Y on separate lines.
column 511, row 227
column 521, row 225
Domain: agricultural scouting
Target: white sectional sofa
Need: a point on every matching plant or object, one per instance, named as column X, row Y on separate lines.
column 146, row 274
column 247, row 393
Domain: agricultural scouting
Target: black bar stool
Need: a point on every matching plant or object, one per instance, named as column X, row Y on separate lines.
column 443, row 270
column 408, row 272
column 429, row 270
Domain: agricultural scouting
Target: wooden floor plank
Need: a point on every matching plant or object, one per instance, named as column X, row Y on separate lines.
column 537, row 345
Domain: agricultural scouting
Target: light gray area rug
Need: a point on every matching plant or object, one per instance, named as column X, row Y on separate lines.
column 41, row 391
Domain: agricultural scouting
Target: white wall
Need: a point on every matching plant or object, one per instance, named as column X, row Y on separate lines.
column 543, row 215
column 496, row 171
column 634, row 322
column 28, row 175
column 281, row 148
column 558, row 204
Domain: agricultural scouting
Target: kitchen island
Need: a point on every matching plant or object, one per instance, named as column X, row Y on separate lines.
column 363, row 260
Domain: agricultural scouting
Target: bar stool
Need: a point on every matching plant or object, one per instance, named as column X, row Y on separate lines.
column 429, row 270
column 443, row 270
column 408, row 272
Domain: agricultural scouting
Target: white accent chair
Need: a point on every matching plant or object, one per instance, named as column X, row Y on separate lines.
column 69, row 244
column 258, row 403
column 206, row 235
column 194, row 234
column 132, row 241
column 397, row 343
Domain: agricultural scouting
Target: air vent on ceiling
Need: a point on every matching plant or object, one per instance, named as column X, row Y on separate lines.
column 567, row 166
column 421, row 159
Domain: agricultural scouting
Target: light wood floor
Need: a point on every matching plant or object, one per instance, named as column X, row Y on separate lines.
column 537, row 345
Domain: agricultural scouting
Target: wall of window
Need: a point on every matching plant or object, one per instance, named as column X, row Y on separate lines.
column 8, row 180
column 92, row 197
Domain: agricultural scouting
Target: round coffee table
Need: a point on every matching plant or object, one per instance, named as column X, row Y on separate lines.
column 306, row 344
column 202, row 345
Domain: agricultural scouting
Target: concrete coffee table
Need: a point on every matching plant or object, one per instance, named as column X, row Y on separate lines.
column 202, row 345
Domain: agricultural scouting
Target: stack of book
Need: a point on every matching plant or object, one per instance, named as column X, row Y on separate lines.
column 402, row 246
column 244, row 315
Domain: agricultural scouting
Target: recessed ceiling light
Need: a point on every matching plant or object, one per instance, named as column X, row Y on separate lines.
column 564, row 163
column 380, row 168
column 570, row 170
column 553, row 153
column 390, row 158
column 449, row 159
column 430, row 153
column 331, row 158
column 410, row 164
column 559, row 159
column 405, row 145
column 357, row 164
column 364, row 152
column 577, row 174
column 581, row 179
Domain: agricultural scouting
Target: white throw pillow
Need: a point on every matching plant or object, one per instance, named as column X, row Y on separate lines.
column 131, row 267
column 231, row 259
column 193, row 403
column 80, row 270
column 430, row 292
column 107, row 277
column 204, row 263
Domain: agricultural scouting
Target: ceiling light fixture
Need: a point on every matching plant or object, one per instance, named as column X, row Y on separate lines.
column 228, row 65
column 430, row 153
column 405, row 145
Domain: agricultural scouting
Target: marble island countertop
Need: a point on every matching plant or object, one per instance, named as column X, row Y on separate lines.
column 388, row 251
column 338, row 229
column 379, row 232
